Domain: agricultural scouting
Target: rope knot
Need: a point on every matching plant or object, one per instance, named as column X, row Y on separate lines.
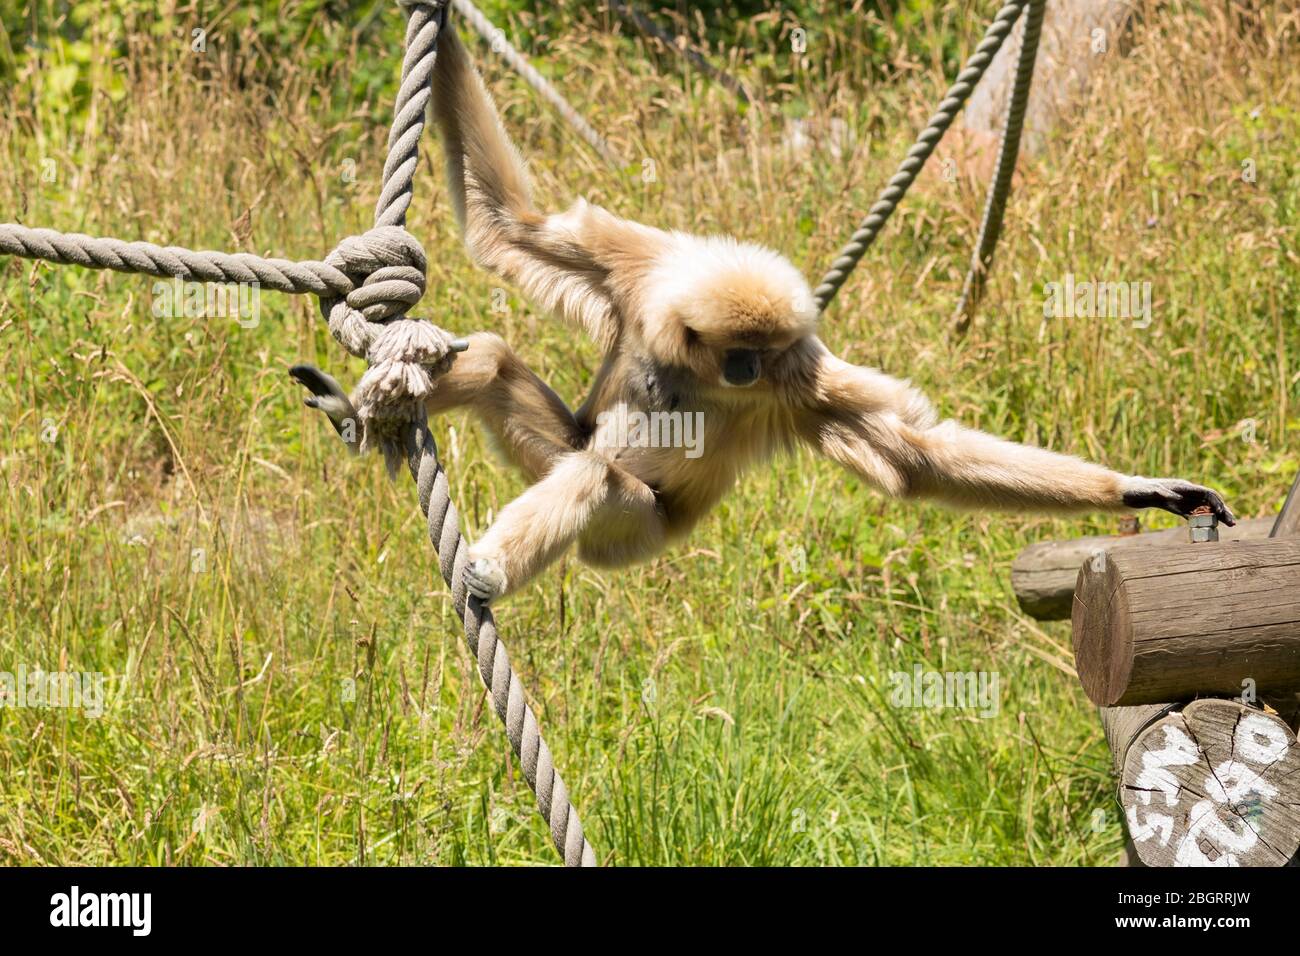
column 387, row 267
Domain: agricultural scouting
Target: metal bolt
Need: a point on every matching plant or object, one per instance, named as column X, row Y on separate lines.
column 1203, row 525
column 1129, row 524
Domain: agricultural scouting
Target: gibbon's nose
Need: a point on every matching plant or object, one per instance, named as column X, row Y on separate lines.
column 740, row 367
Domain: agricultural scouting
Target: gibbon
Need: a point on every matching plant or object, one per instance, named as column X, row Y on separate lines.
column 705, row 327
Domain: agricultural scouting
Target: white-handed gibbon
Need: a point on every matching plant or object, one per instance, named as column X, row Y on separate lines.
column 707, row 327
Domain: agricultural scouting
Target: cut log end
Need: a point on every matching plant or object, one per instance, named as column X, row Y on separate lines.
column 1103, row 647
column 1178, row 623
column 1210, row 785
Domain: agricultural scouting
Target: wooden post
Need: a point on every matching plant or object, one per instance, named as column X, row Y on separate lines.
column 1288, row 521
column 1172, row 624
column 1043, row 575
column 1077, row 35
column 1215, row 784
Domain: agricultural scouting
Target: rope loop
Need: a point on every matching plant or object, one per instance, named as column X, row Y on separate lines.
column 387, row 267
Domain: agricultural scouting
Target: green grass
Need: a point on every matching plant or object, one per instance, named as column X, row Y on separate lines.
column 726, row 704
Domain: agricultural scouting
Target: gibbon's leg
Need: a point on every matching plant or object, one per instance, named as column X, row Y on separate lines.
column 573, row 264
column 881, row 429
column 530, row 423
column 582, row 491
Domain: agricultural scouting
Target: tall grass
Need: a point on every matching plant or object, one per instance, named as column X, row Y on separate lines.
column 285, row 680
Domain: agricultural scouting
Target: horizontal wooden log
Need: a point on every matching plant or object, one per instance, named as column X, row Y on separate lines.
column 1043, row 575
column 1216, row 783
column 1170, row 624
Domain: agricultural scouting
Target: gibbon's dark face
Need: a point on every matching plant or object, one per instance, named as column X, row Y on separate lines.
column 734, row 365
column 741, row 367
column 725, row 311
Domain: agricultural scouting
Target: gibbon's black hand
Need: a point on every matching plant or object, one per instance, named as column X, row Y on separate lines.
column 328, row 396
column 1175, row 495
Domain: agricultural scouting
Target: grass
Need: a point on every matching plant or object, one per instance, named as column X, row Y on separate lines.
column 285, row 683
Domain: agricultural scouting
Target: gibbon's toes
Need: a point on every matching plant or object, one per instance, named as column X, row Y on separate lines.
column 446, row 346
column 328, row 396
column 485, row 579
column 1176, row 496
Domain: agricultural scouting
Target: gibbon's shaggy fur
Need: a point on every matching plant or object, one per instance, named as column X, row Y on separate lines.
column 689, row 324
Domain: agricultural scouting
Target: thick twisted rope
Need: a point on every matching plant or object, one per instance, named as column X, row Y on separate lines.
column 519, row 63
column 421, row 453
column 166, row 262
column 953, row 100
column 1009, row 149
column 365, row 286
column 493, row 661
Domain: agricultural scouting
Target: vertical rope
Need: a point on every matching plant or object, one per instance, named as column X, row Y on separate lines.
column 499, row 677
column 996, row 207
column 493, row 662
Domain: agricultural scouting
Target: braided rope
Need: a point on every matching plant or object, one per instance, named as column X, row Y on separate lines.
column 953, row 100
column 365, row 287
column 421, row 454
column 166, row 262
column 493, row 661
column 501, row 46
column 1009, row 149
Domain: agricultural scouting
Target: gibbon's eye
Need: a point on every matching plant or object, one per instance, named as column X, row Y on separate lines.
column 740, row 367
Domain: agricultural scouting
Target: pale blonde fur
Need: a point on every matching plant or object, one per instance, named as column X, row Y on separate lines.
column 680, row 318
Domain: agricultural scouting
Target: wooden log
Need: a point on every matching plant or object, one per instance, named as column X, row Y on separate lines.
column 1043, row 575
column 1288, row 520
column 1216, row 783
column 1171, row 624
column 1077, row 36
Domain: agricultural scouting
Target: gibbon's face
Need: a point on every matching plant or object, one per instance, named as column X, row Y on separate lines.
column 726, row 311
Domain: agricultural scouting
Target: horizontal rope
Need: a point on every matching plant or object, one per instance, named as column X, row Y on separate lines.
column 365, row 287
column 167, row 262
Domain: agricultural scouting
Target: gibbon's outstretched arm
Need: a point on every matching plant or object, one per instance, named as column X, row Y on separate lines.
column 884, row 431
column 581, row 264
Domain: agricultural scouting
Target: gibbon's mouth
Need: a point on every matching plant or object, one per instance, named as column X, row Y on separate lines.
column 740, row 367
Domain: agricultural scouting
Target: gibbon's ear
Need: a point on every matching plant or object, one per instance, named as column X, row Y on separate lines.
column 578, row 264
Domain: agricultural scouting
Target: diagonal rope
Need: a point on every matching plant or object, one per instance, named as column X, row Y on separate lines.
column 519, row 63
column 681, row 46
column 848, row 257
column 365, row 286
column 996, row 207
column 493, row 662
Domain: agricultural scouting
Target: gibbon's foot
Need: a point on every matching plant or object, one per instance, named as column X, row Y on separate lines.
column 1175, row 495
column 329, row 397
column 485, row 579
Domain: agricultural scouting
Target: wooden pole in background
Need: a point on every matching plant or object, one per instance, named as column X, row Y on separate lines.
column 1288, row 521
